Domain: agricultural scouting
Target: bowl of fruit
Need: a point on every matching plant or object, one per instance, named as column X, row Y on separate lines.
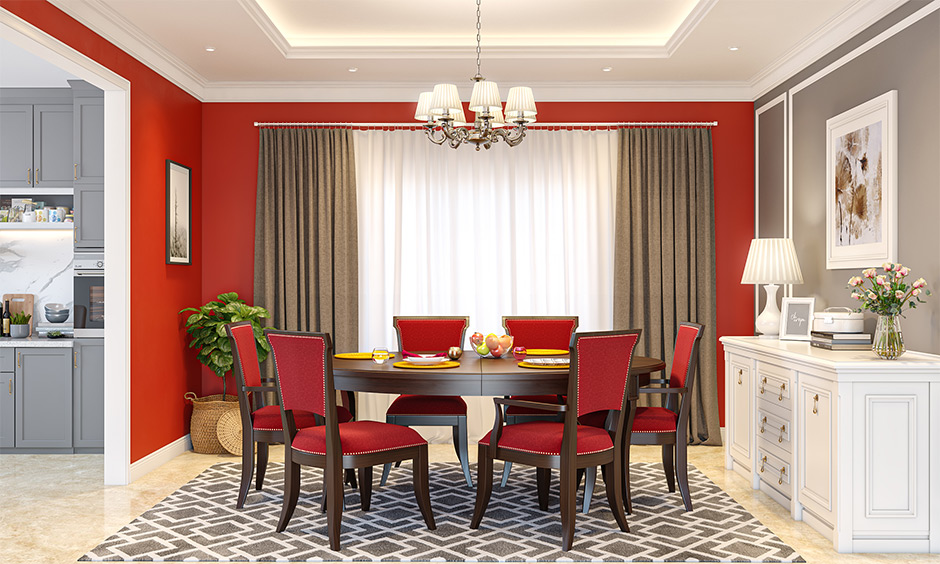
column 491, row 346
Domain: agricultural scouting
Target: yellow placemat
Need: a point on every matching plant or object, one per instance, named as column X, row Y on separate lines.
column 359, row 356
column 447, row 364
column 545, row 352
column 525, row 364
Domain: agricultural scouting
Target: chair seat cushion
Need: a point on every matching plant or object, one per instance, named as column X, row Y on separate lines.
column 268, row 418
column 427, row 405
column 654, row 420
column 544, row 437
column 358, row 437
column 516, row 410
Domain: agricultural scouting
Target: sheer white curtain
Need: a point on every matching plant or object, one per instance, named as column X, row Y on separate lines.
column 524, row 230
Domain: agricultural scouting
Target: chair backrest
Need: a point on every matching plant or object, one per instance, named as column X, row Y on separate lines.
column 430, row 333
column 540, row 332
column 685, row 356
column 304, row 371
column 600, row 366
column 246, row 367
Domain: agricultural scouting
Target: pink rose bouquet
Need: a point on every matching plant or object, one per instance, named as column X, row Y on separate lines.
column 888, row 293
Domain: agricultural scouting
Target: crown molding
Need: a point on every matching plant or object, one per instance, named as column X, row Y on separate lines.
column 690, row 22
column 408, row 92
column 261, row 19
column 107, row 23
column 854, row 19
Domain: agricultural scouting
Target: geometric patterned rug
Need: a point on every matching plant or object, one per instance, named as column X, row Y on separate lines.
column 199, row 522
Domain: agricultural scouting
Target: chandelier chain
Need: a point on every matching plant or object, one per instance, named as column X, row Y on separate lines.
column 478, row 38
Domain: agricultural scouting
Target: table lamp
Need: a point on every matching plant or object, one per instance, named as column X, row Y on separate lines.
column 771, row 262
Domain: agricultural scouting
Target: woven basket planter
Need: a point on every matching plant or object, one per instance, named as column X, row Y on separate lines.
column 203, row 425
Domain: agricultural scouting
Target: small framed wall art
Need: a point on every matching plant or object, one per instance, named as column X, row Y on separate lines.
column 179, row 217
column 796, row 319
column 861, row 185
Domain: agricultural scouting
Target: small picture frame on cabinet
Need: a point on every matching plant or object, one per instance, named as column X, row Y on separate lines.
column 796, row 319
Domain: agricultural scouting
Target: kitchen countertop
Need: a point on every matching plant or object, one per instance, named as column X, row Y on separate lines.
column 34, row 341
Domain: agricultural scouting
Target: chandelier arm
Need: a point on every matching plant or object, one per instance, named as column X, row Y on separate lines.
column 432, row 136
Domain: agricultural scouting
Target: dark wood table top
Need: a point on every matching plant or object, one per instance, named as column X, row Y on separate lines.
column 474, row 377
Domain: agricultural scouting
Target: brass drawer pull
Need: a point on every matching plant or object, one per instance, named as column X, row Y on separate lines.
column 11, row 386
column 29, row 176
column 783, row 388
column 815, row 404
column 762, row 461
column 783, row 429
column 75, row 359
column 783, row 472
column 37, row 176
column 762, row 423
column 740, row 373
column 762, row 382
column 76, row 172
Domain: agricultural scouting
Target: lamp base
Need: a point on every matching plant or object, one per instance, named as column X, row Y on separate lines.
column 768, row 322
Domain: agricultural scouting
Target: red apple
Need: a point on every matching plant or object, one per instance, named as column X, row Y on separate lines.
column 476, row 339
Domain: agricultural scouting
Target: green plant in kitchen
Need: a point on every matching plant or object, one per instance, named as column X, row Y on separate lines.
column 20, row 318
column 207, row 327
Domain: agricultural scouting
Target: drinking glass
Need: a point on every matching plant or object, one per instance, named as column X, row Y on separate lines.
column 379, row 356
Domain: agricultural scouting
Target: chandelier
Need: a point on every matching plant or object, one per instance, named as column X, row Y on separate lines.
column 442, row 112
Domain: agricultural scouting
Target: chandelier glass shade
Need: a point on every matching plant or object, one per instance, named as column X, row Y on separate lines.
column 444, row 120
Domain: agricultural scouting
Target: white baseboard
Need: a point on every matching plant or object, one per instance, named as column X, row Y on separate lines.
column 724, row 436
column 160, row 457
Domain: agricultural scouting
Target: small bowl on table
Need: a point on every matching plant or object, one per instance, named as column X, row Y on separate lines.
column 56, row 313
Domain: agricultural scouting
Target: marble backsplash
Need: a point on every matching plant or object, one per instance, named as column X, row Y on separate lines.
column 39, row 263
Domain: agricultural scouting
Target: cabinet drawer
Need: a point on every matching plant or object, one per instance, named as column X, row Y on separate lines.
column 6, row 359
column 774, row 429
column 773, row 385
column 773, row 471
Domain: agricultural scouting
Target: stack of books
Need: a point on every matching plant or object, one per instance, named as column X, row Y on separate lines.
column 841, row 341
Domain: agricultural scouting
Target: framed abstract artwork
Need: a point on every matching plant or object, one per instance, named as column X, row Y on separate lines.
column 861, row 185
column 179, row 216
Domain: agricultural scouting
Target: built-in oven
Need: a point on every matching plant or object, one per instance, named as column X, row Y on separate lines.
column 88, row 314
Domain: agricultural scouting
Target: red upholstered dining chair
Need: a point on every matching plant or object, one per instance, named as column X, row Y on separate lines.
column 261, row 423
column 536, row 332
column 303, row 365
column 599, row 380
column 431, row 334
column 669, row 425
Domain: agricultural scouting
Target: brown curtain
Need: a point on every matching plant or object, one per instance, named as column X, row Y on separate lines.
column 664, row 253
column 306, row 242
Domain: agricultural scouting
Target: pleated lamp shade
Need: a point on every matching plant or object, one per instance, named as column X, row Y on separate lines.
column 772, row 261
column 485, row 96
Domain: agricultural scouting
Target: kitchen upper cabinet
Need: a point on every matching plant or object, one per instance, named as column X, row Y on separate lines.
column 88, row 144
column 88, row 396
column 36, row 146
column 89, row 216
column 43, row 398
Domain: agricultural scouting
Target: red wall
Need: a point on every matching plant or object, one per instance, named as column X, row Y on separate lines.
column 230, row 164
column 166, row 123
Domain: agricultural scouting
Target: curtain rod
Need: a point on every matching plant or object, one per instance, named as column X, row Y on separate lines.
column 420, row 125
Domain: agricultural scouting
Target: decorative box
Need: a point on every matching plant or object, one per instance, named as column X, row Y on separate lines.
column 838, row 320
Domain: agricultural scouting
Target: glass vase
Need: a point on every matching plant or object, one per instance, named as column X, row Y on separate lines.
column 888, row 342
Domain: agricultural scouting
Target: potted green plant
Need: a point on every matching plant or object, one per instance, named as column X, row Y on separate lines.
column 19, row 325
column 206, row 326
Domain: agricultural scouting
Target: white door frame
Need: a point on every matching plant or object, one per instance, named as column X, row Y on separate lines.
column 117, row 370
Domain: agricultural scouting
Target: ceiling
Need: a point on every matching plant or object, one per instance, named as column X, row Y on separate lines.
column 298, row 50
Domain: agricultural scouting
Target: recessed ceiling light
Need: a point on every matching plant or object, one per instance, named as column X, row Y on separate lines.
column 607, row 69
column 732, row 48
column 210, row 49
column 353, row 69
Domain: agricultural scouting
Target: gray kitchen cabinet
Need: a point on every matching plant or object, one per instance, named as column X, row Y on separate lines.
column 36, row 146
column 6, row 398
column 88, row 140
column 89, row 216
column 43, row 398
column 88, row 394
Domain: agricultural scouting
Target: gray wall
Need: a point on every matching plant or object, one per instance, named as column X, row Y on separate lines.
column 908, row 62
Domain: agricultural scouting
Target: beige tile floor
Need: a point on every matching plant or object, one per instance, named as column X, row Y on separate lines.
column 54, row 508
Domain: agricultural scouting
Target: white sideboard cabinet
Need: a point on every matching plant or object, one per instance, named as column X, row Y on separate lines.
column 848, row 442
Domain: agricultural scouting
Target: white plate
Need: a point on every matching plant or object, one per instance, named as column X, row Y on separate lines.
column 547, row 361
column 426, row 359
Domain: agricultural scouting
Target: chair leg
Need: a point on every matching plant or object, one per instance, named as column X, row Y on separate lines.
column 507, row 468
column 248, row 467
column 682, row 473
column 460, row 445
column 262, row 464
column 484, row 485
column 419, row 480
column 543, row 478
column 569, row 505
column 627, row 495
column 614, row 484
column 365, row 486
column 334, row 501
column 591, row 478
column 668, row 467
column 351, row 478
column 385, row 471
column 291, row 490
